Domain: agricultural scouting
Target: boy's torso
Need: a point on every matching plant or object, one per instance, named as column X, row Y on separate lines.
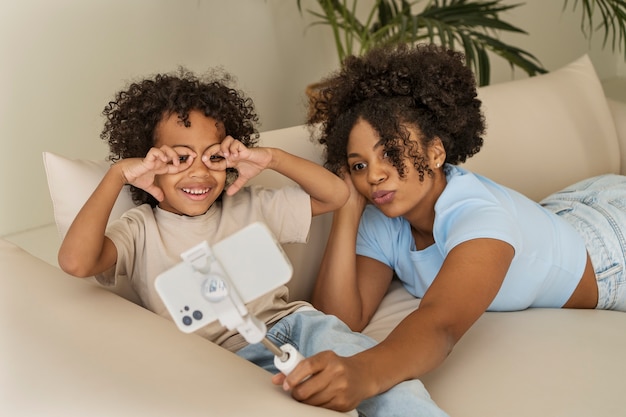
column 150, row 241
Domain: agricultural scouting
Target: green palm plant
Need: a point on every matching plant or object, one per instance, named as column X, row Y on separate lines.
column 472, row 26
column 612, row 21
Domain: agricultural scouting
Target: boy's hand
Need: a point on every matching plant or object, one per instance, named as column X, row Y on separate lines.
column 248, row 162
column 141, row 173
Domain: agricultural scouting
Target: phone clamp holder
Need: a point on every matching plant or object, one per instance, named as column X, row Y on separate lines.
column 230, row 309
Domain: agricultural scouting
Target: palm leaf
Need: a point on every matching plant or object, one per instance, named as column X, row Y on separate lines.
column 612, row 21
column 472, row 25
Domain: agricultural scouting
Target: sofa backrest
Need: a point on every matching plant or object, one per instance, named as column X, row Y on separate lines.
column 543, row 133
column 548, row 131
column 304, row 257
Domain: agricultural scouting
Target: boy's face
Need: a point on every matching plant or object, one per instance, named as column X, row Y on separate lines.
column 192, row 191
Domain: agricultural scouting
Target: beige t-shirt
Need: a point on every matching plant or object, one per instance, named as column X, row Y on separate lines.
column 149, row 241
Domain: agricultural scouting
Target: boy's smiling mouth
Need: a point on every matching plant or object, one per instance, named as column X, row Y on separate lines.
column 196, row 193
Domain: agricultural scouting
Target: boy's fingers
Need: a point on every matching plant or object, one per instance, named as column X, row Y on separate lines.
column 156, row 192
column 215, row 162
column 225, row 146
column 234, row 187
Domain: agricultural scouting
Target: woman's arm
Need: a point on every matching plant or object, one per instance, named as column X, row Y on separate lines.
column 467, row 283
column 349, row 286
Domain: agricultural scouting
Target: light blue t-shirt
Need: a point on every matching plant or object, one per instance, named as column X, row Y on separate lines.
column 549, row 254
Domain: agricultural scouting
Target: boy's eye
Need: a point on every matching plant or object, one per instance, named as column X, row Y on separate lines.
column 183, row 158
column 216, row 157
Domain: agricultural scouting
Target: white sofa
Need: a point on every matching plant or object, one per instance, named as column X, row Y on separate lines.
column 71, row 348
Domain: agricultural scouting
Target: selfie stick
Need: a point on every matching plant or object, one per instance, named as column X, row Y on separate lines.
column 231, row 310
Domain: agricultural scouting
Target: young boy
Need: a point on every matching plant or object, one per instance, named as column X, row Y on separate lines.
column 186, row 147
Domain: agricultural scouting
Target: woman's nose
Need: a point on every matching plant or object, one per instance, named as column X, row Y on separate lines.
column 376, row 174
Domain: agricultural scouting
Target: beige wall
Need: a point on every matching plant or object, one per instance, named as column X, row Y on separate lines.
column 554, row 36
column 62, row 60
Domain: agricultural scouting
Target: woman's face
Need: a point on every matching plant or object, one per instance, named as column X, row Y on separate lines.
column 192, row 191
column 378, row 180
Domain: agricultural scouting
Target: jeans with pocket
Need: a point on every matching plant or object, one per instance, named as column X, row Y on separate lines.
column 311, row 332
column 596, row 208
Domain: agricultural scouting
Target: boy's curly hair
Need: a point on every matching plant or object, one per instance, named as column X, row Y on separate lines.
column 394, row 88
column 132, row 117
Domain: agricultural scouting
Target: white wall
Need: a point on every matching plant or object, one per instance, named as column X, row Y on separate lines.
column 62, row 60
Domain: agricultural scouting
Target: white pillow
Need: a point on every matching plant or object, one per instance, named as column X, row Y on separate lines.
column 71, row 182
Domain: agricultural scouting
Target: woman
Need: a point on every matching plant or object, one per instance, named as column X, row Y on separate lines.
column 395, row 123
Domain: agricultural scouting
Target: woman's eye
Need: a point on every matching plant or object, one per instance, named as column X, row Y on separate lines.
column 358, row 166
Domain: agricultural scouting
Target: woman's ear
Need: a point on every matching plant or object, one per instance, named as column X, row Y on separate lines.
column 437, row 153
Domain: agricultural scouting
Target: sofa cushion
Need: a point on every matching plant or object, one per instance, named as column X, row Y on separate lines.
column 71, row 182
column 537, row 362
column 564, row 114
column 71, row 349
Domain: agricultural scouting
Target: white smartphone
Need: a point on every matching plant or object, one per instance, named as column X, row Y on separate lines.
column 250, row 263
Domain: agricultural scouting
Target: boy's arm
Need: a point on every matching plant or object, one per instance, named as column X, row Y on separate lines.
column 85, row 250
column 328, row 192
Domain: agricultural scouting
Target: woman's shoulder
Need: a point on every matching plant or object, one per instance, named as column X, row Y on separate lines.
column 465, row 186
column 472, row 206
column 462, row 178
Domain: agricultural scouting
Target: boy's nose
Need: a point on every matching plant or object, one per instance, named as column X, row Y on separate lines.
column 198, row 168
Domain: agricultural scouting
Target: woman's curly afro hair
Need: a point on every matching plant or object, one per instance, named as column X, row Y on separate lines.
column 132, row 117
column 425, row 87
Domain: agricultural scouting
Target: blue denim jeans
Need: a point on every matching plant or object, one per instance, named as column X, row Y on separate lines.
column 312, row 332
column 596, row 207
